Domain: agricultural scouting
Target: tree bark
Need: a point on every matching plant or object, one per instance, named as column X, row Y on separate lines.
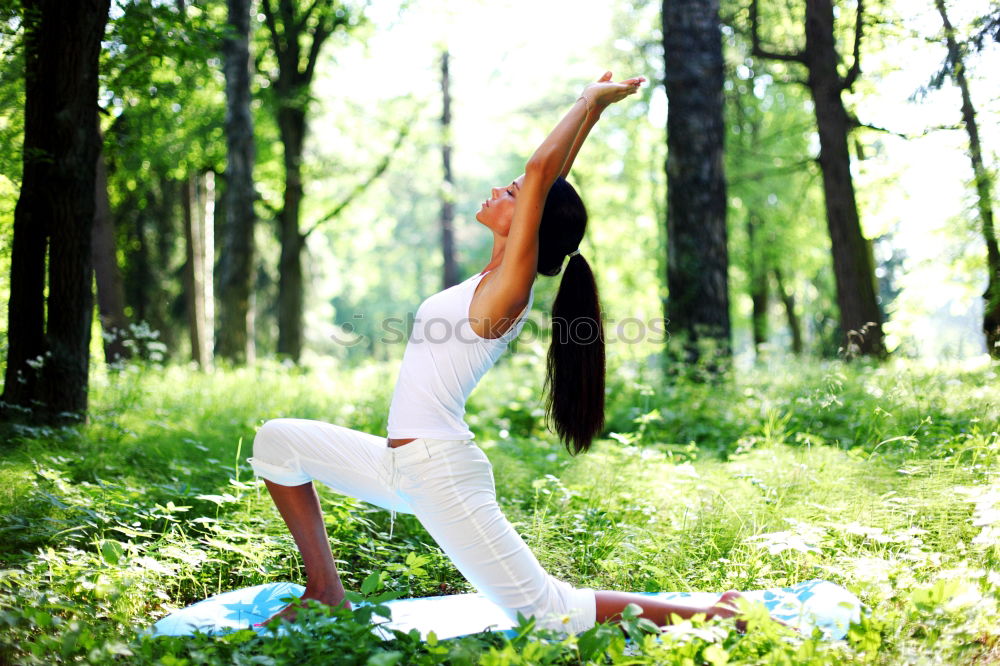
column 759, row 293
column 697, row 257
column 166, row 316
column 138, row 268
column 984, row 188
column 194, row 270
column 108, row 276
column 297, row 36
column 292, row 123
column 236, row 334
column 854, row 272
column 207, row 215
column 149, row 219
column 860, row 318
column 448, row 186
column 788, row 300
column 47, row 361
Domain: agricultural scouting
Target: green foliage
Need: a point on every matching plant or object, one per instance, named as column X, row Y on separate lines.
column 881, row 479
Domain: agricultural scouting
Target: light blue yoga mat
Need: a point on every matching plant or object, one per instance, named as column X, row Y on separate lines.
column 813, row 603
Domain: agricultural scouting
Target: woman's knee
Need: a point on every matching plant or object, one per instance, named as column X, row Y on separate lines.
column 279, row 442
column 271, row 442
column 274, row 457
column 562, row 607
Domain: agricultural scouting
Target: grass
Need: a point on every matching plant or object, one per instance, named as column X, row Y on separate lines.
column 880, row 478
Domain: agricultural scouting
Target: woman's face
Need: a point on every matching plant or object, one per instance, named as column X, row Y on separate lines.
column 497, row 212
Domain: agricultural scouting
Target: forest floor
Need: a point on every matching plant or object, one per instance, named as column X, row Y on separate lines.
column 879, row 478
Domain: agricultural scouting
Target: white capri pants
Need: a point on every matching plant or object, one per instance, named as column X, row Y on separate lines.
column 448, row 486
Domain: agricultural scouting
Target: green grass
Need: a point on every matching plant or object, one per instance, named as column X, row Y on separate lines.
column 880, row 478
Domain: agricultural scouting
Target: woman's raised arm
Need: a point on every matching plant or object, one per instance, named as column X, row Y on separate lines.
column 550, row 160
column 592, row 117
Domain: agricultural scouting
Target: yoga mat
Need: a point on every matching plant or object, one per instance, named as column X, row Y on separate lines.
column 813, row 603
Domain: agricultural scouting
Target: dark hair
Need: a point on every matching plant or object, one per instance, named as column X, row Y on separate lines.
column 575, row 367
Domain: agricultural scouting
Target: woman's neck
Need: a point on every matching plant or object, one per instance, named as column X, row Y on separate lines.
column 496, row 257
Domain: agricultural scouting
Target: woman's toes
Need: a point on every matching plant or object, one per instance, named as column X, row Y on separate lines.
column 726, row 607
column 727, row 602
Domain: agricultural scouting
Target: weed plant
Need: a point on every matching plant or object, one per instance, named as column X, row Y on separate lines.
column 882, row 478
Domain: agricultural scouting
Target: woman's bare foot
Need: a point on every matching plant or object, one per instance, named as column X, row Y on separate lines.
column 289, row 612
column 726, row 607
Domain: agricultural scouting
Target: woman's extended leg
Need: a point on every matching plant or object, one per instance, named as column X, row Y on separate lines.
column 299, row 507
column 452, row 492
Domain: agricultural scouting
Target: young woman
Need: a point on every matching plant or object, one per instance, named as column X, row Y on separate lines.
column 430, row 466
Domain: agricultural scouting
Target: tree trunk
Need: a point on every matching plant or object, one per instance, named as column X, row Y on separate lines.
column 759, row 293
column 788, row 300
column 110, row 288
column 47, row 361
column 448, row 186
column 138, row 268
column 984, row 189
column 292, row 123
column 297, row 37
column 165, row 316
column 194, row 270
column 206, row 212
column 150, row 224
column 697, row 258
column 860, row 319
column 854, row 272
column 236, row 335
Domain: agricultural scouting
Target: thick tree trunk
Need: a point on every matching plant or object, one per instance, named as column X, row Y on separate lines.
column 292, row 123
column 448, row 186
column 47, row 361
column 788, row 300
column 236, row 335
column 697, row 258
column 860, row 318
column 110, row 288
column 984, row 189
column 759, row 293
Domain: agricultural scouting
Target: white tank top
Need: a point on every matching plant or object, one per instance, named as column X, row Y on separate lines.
column 443, row 361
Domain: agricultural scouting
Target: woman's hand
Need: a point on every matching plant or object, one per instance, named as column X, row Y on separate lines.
column 606, row 92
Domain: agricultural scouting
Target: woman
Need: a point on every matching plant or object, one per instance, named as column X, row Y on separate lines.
column 431, row 466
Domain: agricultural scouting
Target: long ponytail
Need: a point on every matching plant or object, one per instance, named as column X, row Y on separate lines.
column 575, row 366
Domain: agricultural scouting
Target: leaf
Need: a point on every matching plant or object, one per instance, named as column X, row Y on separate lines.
column 715, row 655
column 371, row 583
column 112, row 550
column 384, row 659
column 218, row 499
column 595, row 641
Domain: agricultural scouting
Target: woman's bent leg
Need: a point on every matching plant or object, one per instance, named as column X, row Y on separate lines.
column 299, row 507
column 289, row 454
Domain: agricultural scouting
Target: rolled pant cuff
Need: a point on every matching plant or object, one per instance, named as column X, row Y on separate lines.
column 283, row 476
column 579, row 616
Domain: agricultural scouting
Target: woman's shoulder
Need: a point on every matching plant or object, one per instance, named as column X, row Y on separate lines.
column 493, row 310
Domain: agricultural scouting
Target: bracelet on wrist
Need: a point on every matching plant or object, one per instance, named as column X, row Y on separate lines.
column 587, row 101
